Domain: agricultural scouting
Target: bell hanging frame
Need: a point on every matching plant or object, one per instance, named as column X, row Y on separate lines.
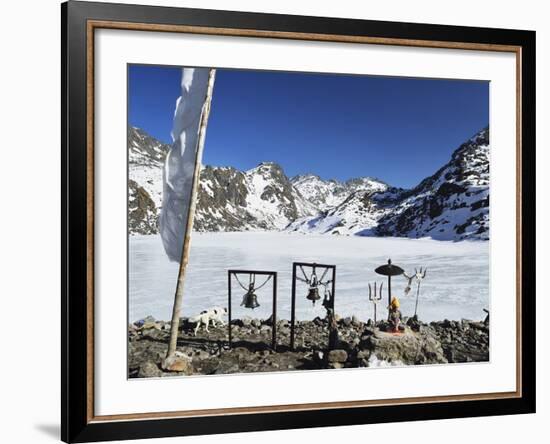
column 325, row 280
column 271, row 276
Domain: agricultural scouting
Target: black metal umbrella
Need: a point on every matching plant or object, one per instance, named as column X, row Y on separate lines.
column 389, row 270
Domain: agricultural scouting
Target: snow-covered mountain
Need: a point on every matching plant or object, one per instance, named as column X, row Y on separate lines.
column 145, row 159
column 451, row 204
column 262, row 198
column 344, row 207
column 325, row 194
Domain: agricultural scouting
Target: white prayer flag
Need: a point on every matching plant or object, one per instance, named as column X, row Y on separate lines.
column 183, row 160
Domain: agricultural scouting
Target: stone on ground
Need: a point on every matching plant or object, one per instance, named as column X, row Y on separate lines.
column 337, row 355
column 178, row 363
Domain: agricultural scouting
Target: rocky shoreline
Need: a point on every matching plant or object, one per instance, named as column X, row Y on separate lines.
column 359, row 344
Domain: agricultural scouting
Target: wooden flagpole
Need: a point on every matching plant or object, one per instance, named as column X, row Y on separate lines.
column 178, row 298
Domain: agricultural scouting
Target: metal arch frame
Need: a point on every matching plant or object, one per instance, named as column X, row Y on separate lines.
column 295, row 265
column 230, row 273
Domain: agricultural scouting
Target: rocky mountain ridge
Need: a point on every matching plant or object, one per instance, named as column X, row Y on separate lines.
column 452, row 204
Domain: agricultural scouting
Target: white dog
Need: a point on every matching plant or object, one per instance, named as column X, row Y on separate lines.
column 214, row 315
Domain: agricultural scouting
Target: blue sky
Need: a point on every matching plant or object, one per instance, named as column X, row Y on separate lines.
column 336, row 126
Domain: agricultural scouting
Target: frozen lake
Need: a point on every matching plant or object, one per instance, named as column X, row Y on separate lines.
column 456, row 284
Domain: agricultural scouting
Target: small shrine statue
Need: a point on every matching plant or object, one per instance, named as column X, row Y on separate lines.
column 395, row 314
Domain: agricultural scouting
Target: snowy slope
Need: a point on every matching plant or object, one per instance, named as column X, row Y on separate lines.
column 322, row 193
column 357, row 214
column 144, row 149
column 258, row 199
column 452, row 204
column 325, row 194
column 145, row 160
column 345, row 207
column 142, row 212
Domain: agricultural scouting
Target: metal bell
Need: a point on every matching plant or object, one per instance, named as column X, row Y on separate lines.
column 250, row 300
column 313, row 294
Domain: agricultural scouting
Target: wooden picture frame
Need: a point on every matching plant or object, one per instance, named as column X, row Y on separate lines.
column 79, row 22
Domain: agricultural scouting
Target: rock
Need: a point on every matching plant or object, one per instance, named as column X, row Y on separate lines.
column 227, row 368
column 284, row 331
column 318, row 321
column 207, row 367
column 347, row 321
column 408, row 348
column 367, row 331
column 201, row 354
column 335, row 365
column 355, row 321
column 385, row 325
column 178, row 363
column 246, row 322
column 343, row 345
column 149, row 370
column 413, row 323
column 479, row 326
column 244, row 355
column 146, row 319
column 153, row 333
column 337, row 355
column 256, row 323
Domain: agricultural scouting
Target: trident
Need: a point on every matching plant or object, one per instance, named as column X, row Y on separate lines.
column 375, row 296
column 419, row 277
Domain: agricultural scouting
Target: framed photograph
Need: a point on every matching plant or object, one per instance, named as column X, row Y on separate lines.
column 276, row 221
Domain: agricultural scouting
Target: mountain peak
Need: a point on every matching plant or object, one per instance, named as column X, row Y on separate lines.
column 266, row 168
column 303, row 177
column 144, row 149
column 269, row 165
